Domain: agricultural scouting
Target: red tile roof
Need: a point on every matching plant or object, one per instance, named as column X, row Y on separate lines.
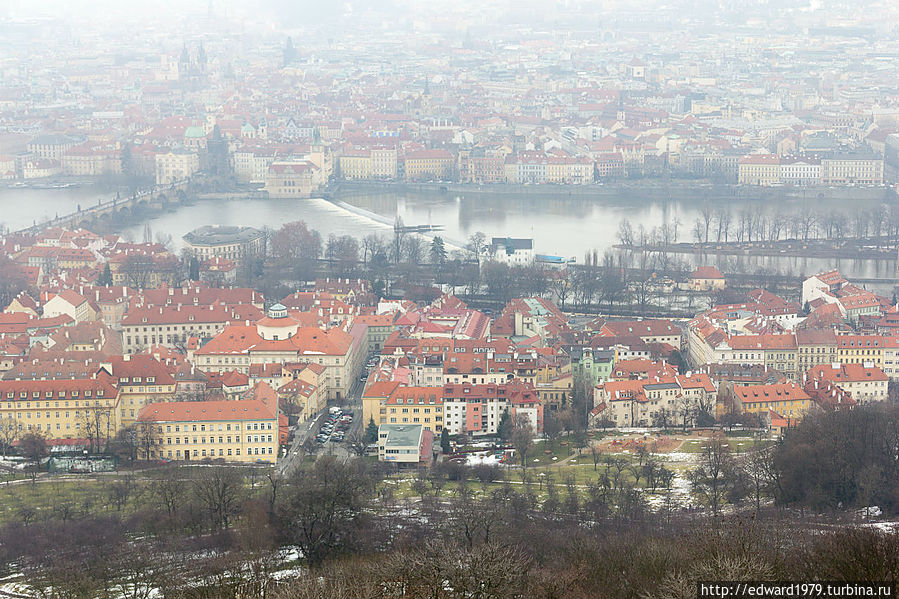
column 706, row 272
column 238, row 339
column 847, row 373
column 205, row 411
column 768, row 393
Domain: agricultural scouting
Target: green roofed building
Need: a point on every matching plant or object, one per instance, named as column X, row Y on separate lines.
column 404, row 443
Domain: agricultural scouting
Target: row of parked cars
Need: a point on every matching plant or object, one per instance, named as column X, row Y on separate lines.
column 369, row 366
column 335, row 427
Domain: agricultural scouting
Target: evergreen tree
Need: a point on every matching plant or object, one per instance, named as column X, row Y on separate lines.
column 445, row 446
column 504, row 428
column 193, row 269
column 371, row 431
column 438, row 251
column 105, row 278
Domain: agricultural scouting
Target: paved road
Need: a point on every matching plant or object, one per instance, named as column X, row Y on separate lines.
column 353, row 404
column 308, row 430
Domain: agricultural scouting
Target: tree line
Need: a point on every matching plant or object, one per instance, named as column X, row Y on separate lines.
column 725, row 224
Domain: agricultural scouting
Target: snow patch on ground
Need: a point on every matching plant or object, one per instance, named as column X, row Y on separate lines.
column 476, row 459
column 677, row 456
column 887, row 527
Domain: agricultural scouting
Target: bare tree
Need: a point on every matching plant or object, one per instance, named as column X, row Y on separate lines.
column 355, row 441
column 714, row 476
column 625, row 233
column 97, row 426
column 9, row 430
column 321, row 509
column 757, row 466
column 522, row 438
column 477, row 243
column 371, row 245
column 219, row 490
column 552, row 428
column 34, row 447
column 168, row 490
column 147, row 438
column 697, row 230
column 414, row 249
column 399, row 240
column 706, row 214
column 560, row 286
column 121, row 490
column 137, row 269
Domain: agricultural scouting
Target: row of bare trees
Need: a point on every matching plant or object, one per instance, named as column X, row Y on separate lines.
column 724, row 224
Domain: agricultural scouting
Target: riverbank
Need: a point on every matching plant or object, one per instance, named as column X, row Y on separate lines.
column 860, row 249
column 648, row 189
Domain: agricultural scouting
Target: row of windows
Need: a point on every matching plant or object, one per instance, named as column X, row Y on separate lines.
column 250, row 439
column 46, row 426
column 250, row 426
column 221, row 452
column 168, row 328
column 37, row 414
column 437, row 427
column 37, row 404
column 406, row 410
column 49, row 394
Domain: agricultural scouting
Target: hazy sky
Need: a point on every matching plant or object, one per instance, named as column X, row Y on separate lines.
column 295, row 12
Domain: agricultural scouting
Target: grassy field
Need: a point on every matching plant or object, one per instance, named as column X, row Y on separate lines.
column 556, row 463
column 67, row 497
column 76, row 496
column 737, row 444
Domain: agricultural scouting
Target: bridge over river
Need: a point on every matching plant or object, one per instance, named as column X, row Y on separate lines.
column 159, row 197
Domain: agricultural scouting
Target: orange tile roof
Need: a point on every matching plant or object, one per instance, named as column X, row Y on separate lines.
column 706, row 272
column 641, row 328
column 237, row 339
column 205, row 411
column 767, row 393
column 142, row 366
column 100, row 387
column 381, row 389
column 177, row 314
column 847, row 373
column 765, row 342
column 418, row 395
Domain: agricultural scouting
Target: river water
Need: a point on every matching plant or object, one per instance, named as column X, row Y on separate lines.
column 22, row 207
column 560, row 224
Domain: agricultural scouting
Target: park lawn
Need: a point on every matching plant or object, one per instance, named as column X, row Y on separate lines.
column 740, row 445
column 736, row 444
column 66, row 497
column 580, row 469
column 691, row 445
column 75, row 496
column 556, row 450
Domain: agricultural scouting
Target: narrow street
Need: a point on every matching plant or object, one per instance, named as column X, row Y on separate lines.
column 309, row 429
